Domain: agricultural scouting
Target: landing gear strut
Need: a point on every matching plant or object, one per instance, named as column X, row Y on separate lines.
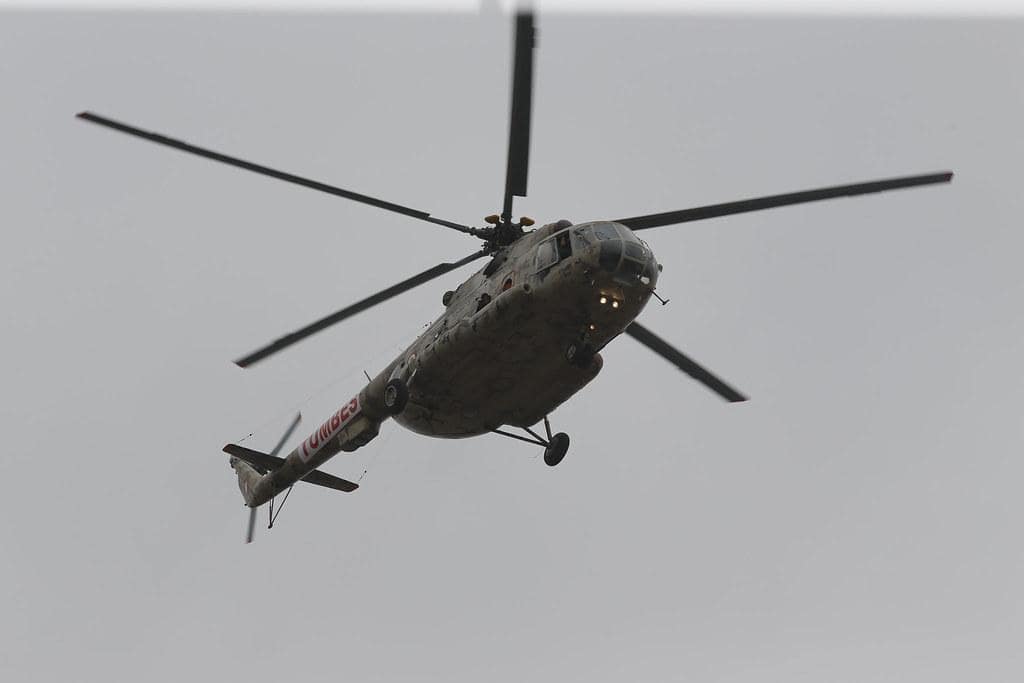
column 555, row 446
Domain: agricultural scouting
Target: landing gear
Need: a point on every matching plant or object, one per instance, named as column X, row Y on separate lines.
column 556, row 449
column 555, row 446
column 396, row 395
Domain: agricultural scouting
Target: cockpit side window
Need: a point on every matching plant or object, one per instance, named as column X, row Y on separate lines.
column 553, row 250
column 563, row 245
column 546, row 255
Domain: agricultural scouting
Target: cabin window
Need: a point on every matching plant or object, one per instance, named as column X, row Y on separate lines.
column 484, row 299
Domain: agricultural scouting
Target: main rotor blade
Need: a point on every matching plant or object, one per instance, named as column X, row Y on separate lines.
column 349, row 311
column 655, row 220
column 287, row 435
column 519, row 119
column 684, row 363
column 263, row 170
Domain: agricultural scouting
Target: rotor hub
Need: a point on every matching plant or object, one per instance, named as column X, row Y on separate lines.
column 505, row 233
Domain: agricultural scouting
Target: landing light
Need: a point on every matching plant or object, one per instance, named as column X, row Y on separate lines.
column 604, row 299
column 615, row 304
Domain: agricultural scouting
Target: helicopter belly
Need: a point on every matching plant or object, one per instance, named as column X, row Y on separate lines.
column 503, row 366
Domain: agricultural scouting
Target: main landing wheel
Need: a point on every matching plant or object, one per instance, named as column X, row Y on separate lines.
column 396, row 395
column 556, row 449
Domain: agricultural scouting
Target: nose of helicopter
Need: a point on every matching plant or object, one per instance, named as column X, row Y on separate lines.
column 628, row 259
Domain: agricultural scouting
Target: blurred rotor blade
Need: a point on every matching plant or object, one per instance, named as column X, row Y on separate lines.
column 519, row 119
column 655, row 220
column 287, row 435
column 263, row 170
column 349, row 311
column 684, row 363
column 252, row 525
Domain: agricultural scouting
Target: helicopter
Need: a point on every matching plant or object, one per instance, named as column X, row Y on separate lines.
column 516, row 339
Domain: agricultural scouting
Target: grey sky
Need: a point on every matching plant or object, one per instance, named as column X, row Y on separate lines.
column 858, row 520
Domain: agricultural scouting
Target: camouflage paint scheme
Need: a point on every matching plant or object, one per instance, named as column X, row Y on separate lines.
column 498, row 354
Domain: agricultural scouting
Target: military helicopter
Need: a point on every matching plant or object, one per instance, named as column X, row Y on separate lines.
column 518, row 338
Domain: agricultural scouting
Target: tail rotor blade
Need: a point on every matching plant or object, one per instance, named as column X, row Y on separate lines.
column 252, row 525
column 287, row 434
column 272, row 455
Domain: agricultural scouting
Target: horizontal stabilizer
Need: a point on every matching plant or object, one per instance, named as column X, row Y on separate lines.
column 265, row 463
column 330, row 481
column 261, row 461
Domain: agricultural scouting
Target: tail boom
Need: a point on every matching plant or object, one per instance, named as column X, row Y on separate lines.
column 262, row 476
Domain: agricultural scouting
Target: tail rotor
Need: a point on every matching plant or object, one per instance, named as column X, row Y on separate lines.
column 252, row 525
column 273, row 453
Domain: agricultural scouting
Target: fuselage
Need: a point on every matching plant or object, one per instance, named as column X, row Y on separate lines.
column 515, row 341
column 521, row 336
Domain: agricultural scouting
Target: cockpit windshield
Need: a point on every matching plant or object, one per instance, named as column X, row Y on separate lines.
column 622, row 252
column 605, row 231
column 586, row 234
column 582, row 236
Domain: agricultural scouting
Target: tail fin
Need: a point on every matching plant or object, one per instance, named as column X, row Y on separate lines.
column 248, row 478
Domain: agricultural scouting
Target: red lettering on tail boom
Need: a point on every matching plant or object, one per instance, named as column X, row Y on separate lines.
column 328, row 430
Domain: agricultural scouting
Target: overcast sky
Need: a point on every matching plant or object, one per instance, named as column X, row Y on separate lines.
column 858, row 520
